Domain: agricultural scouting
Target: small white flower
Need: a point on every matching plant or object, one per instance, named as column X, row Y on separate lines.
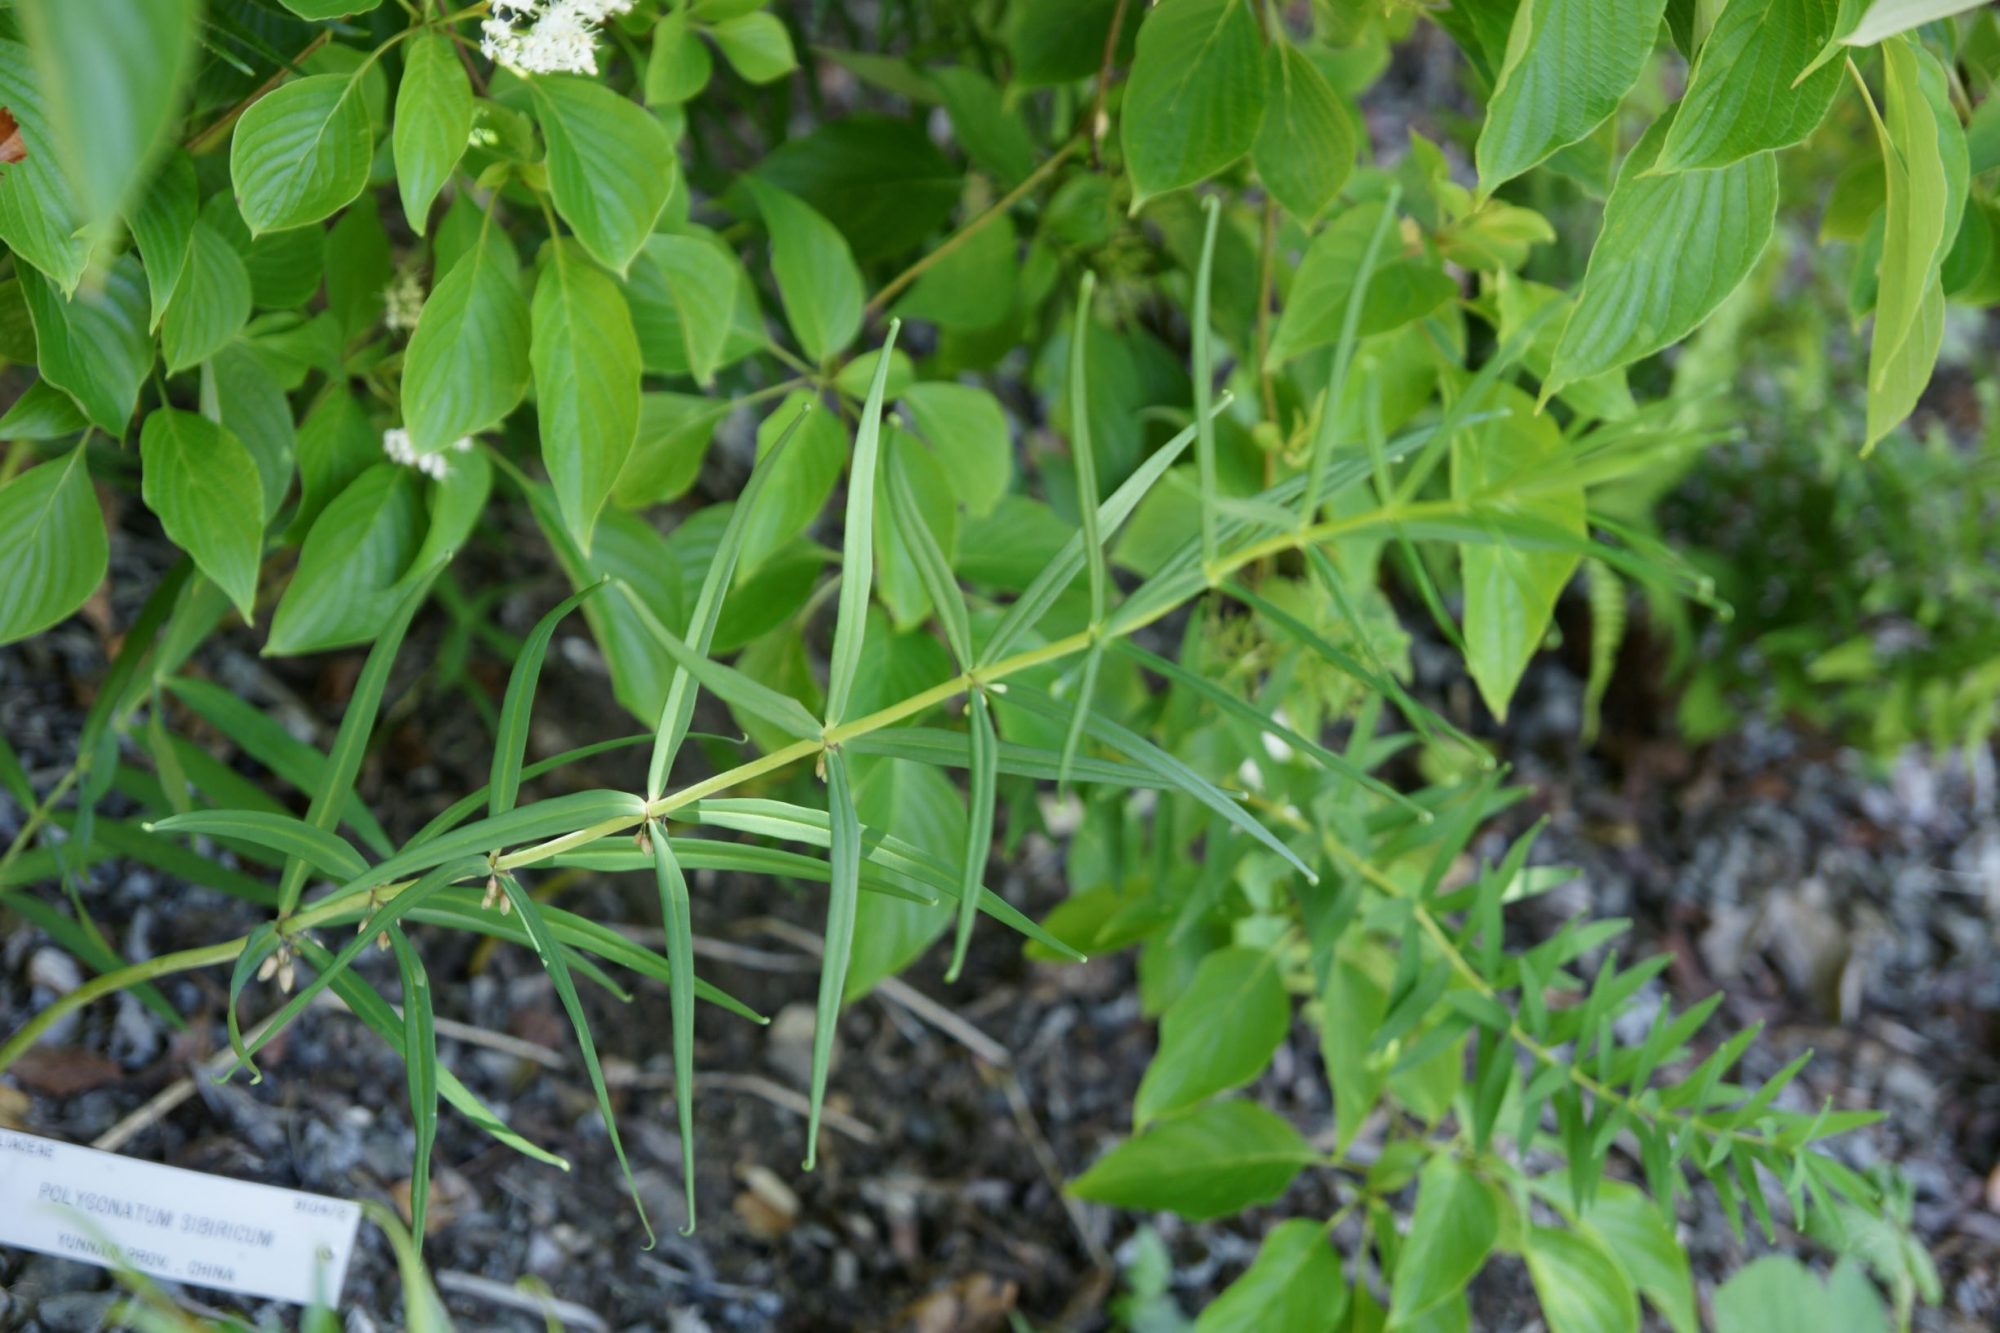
column 403, row 301
column 396, row 444
column 546, row 36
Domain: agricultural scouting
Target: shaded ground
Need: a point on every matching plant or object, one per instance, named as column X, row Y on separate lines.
column 1851, row 911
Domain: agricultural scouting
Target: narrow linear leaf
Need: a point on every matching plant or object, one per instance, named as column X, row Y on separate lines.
column 715, row 582
column 325, row 851
column 844, row 855
column 678, row 919
column 983, row 762
column 857, row 565
column 421, row 1065
column 549, row 949
column 343, row 763
column 510, row 737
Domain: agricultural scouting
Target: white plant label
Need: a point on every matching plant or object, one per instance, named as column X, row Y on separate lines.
column 208, row 1231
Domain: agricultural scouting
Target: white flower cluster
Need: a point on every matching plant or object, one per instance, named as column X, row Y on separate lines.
column 403, row 301
column 546, row 36
column 396, row 444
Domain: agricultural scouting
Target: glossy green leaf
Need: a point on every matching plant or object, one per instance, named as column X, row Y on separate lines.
column 1569, row 63
column 1741, row 99
column 1456, row 1223
column 857, row 563
column 1306, row 144
column 53, row 550
column 211, row 302
column 1218, row 1035
column 203, row 485
column 1195, row 96
column 433, row 121
column 612, row 166
column 1211, row 1162
column 1295, row 1284
column 95, row 345
column 301, row 152
column 1670, row 251
column 587, row 371
column 1582, row 1288
column 468, row 362
column 817, row 280
column 112, row 75
column 1055, row 41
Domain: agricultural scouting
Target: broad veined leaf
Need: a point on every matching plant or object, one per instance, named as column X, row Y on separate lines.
column 162, row 223
column 1055, row 41
column 1671, row 248
column 701, row 279
column 211, row 302
column 1511, row 591
column 878, row 179
column 992, row 132
column 112, row 74
column 1218, row 1035
column 800, row 478
column 468, row 362
column 587, row 372
column 1638, row 1235
column 1400, row 289
column 1295, row 1285
column 336, row 444
column 1886, row 18
column 351, row 564
column 1195, row 96
column 42, row 412
column 433, row 119
column 52, row 545
column 817, row 279
column 674, row 433
column 612, row 166
column 240, row 390
column 1453, row 1230
column 1740, row 98
column 680, row 65
column 967, row 432
column 95, row 345
column 1211, row 1162
column 38, row 205
column 1305, row 147
column 301, row 152
column 203, row 485
column 757, row 45
column 1582, row 1288
column 1778, row 1294
column 1926, row 167
column 1569, row 64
